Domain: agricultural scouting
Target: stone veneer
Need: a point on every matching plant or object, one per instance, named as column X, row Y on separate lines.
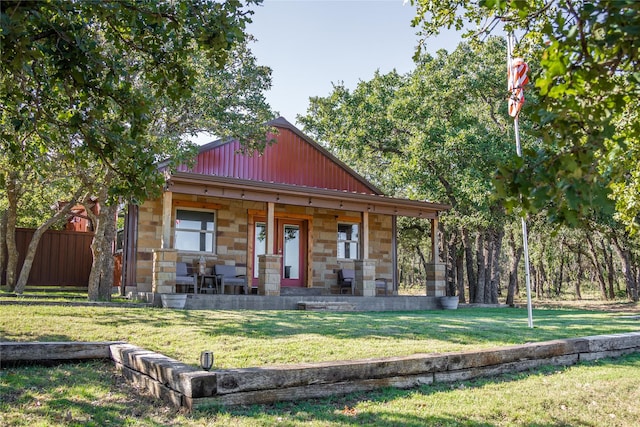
column 232, row 233
column 269, row 268
column 164, row 271
column 436, row 280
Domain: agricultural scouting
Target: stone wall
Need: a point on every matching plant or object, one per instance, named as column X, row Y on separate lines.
column 232, row 234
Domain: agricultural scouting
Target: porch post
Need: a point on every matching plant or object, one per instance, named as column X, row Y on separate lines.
column 269, row 268
column 365, row 270
column 269, row 264
column 167, row 198
column 365, row 235
column 271, row 225
column 164, row 271
column 394, row 254
column 436, row 270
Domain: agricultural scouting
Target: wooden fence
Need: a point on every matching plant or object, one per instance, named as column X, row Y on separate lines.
column 63, row 258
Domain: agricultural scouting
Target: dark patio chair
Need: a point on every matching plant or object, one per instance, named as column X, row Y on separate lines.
column 347, row 278
column 229, row 277
column 184, row 278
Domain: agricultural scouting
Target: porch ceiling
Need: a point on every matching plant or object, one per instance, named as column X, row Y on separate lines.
column 232, row 188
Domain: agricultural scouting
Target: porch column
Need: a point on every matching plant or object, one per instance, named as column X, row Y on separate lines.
column 164, row 271
column 365, row 270
column 394, row 254
column 271, row 225
column 365, row 235
column 436, row 280
column 167, row 200
column 269, row 267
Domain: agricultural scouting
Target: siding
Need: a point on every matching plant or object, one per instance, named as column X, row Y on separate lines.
column 291, row 160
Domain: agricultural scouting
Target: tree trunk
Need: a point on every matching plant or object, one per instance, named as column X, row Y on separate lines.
column 596, row 265
column 452, row 260
column 579, row 276
column 558, row 284
column 471, row 277
column 35, row 240
column 542, row 281
column 424, row 263
column 12, row 218
column 460, row 274
column 608, row 258
column 101, row 276
column 627, row 269
column 495, row 267
column 3, row 242
column 479, row 297
column 488, row 264
column 516, row 254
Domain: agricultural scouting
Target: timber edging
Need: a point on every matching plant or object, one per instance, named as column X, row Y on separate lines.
column 187, row 386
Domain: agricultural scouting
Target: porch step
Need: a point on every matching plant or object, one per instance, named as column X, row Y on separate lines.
column 300, row 292
column 326, row 306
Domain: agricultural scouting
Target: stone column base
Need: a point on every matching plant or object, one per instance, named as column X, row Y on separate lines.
column 365, row 271
column 436, row 280
column 164, row 271
column 269, row 268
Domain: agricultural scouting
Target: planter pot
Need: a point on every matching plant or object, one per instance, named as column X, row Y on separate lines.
column 173, row 300
column 448, row 303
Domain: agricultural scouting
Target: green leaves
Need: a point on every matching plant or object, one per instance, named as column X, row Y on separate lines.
column 113, row 85
column 587, row 81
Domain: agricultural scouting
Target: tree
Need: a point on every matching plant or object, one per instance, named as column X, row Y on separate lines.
column 100, row 83
column 587, row 81
column 437, row 133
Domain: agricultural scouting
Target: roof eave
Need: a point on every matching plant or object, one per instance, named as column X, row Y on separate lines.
column 233, row 188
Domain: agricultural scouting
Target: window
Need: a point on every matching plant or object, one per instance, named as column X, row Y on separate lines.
column 195, row 231
column 348, row 241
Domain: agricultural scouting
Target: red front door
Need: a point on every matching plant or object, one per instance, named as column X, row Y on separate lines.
column 291, row 243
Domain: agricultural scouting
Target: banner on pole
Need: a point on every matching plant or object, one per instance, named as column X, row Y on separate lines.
column 517, row 79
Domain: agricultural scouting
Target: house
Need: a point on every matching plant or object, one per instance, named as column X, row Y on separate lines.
column 288, row 219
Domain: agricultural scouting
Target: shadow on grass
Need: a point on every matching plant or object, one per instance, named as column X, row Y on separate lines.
column 78, row 394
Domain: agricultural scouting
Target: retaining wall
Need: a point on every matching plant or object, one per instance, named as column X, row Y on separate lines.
column 188, row 386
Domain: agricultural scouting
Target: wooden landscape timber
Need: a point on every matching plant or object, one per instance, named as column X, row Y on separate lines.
column 43, row 352
column 187, row 386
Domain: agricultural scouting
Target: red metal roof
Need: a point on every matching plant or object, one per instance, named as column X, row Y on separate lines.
column 294, row 159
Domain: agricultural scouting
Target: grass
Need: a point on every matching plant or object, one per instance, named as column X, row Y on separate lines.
column 257, row 338
column 603, row 393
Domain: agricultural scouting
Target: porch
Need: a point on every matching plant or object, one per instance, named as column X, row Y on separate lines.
column 291, row 302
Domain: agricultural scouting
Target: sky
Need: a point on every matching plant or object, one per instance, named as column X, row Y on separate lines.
column 310, row 44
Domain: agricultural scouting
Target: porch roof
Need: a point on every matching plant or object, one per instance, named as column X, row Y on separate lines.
column 242, row 189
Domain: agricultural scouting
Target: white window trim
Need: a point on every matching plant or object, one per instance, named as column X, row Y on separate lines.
column 357, row 242
column 214, row 249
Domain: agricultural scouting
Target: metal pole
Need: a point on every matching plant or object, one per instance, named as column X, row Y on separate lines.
column 525, row 243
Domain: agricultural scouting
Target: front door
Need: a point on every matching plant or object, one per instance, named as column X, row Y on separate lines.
column 290, row 242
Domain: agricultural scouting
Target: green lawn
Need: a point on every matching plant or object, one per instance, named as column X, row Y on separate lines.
column 604, row 393
column 257, row 338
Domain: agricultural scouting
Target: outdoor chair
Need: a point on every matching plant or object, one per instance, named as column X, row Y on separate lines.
column 347, row 278
column 185, row 279
column 228, row 277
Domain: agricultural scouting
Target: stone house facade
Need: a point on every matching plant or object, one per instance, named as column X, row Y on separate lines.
column 295, row 208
